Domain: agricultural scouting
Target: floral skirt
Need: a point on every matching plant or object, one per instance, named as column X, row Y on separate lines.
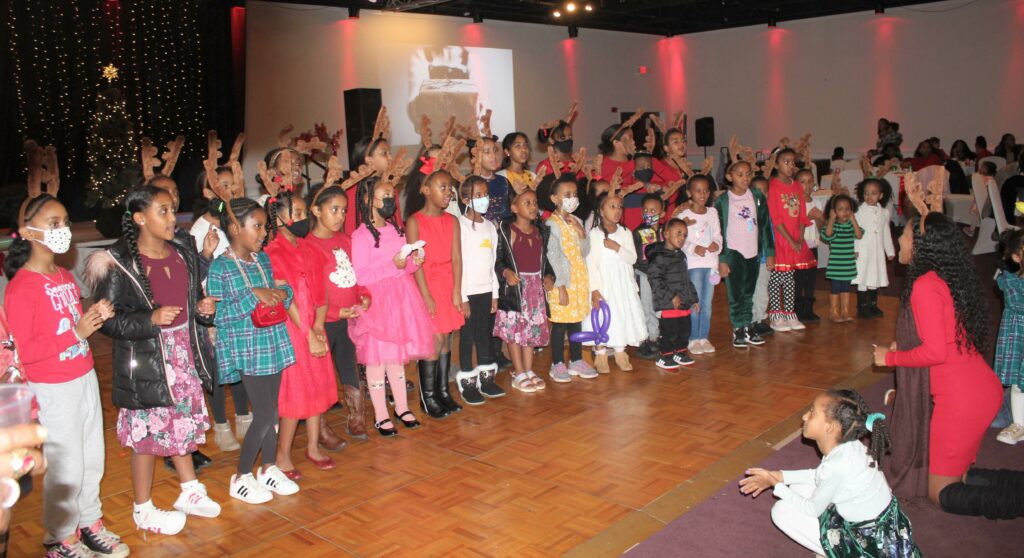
column 180, row 428
column 887, row 536
column 529, row 327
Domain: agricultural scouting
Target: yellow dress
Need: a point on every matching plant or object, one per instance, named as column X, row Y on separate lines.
column 579, row 282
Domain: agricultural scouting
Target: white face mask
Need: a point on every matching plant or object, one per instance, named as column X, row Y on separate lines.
column 570, row 204
column 480, row 205
column 57, row 240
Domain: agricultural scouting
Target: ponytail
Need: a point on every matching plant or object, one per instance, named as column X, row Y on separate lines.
column 856, row 422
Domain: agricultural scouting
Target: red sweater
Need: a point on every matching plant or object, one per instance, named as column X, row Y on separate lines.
column 959, row 373
column 42, row 311
column 338, row 271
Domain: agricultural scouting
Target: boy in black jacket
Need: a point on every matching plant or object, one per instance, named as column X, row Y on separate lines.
column 674, row 295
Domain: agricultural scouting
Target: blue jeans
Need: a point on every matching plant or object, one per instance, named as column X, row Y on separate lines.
column 701, row 321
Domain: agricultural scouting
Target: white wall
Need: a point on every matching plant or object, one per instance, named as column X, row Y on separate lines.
column 950, row 69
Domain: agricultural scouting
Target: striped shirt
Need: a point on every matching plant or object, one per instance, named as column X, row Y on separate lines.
column 842, row 263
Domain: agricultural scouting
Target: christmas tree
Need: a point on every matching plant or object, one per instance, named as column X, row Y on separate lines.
column 111, row 149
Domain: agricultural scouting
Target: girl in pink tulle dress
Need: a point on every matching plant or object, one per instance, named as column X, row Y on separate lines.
column 396, row 328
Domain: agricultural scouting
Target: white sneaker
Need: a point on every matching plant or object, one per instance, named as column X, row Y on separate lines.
column 1011, row 434
column 274, row 480
column 695, row 347
column 194, row 501
column 246, row 489
column 706, row 346
column 156, row 520
column 795, row 325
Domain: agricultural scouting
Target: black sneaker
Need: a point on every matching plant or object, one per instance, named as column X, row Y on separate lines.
column 752, row 337
column 762, row 328
column 682, row 359
column 739, row 338
column 200, row 460
column 469, row 387
column 648, row 350
column 488, row 387
column 666, row 363
column 102, row 542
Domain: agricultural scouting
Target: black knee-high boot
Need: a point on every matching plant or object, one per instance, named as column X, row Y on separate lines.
column 993, row 502
column 863, row 306
column 428, row 390
column 443, row 396
column 873, row 303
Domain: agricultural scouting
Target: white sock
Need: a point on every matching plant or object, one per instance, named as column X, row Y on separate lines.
column 144, row 507
column 1017, row 405
column 190, row 485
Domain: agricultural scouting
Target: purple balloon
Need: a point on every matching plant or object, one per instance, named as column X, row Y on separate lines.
column 600, row 320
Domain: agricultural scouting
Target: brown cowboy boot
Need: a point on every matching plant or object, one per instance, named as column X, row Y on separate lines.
column 356, row 425
column 330, row 440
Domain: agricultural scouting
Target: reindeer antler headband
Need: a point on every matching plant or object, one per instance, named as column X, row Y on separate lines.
column 148, row 153
column 925, row 202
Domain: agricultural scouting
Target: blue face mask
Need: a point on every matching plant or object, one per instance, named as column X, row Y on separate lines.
column 480, row 205
column 651, row 219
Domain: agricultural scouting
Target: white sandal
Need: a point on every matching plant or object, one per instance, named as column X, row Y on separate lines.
column 538, row 382
column 523, row 383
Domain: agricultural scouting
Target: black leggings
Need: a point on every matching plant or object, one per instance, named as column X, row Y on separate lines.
column 343, row 352
column 559, row 333
column 219, row 401
column 262, row 434
column 477, row 331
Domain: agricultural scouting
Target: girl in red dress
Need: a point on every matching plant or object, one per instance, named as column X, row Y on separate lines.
column 307, row 387
column 787, row 207
column 440, row 284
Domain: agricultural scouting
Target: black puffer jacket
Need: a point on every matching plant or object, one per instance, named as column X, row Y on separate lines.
column 140, row 381
column 666, row 270
column 510, row 299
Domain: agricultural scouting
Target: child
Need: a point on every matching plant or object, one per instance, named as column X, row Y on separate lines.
column 844, row 508
column 383, row 343
column 440, row 283
column 674, row 296
column 1009, row 361
column 568, row 300
column 152, row 277
column 211, row 242
column 559, row 138
column 498, row 186
column 50, row 331
column 840, row 233
column 875, row 247
column 804, row 278
column 515, row 166
column 479, row 240
column 610, row 269
column 746, row 238
column 761, row 325
column 345, row 299
column 523, row 276
column 307, row 387
column 375, row 153
column 645, row 235
column 786, row 205
column 241, row 279
column 703, row 243
column 643, row 176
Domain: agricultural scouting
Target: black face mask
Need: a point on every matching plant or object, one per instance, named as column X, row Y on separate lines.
column 388, row 209
column 299, row 228
column 564, row 146
column 643, row 175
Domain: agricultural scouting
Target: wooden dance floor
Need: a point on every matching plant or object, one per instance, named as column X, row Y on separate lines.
column 581, row 469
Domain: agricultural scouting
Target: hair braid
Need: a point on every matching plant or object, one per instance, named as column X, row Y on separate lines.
column 130, row 234
column 851, row 412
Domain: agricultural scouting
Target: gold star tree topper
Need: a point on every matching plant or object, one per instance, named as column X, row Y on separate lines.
column 110, row 72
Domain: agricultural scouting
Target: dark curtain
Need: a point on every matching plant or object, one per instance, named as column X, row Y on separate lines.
column 177, row 71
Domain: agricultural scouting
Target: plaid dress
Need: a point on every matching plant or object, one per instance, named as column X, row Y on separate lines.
column 1009, row 363
column 242, row 348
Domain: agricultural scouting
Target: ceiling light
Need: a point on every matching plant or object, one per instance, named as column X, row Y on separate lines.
column 588, row 8
column 557, row 13
column 570, row 7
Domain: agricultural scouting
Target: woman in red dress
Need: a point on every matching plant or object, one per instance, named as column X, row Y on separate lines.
column 951, row 316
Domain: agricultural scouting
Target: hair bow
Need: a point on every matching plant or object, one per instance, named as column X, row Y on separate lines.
column 428, row 165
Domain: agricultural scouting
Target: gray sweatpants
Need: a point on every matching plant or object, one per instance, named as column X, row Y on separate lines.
column 647, row 301
column 74, row 453
column 761, row 294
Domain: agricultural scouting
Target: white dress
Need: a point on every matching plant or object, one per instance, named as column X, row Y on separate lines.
column 873, row 247
column 611, row 273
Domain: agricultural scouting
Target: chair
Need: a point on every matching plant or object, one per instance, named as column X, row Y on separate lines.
column 999, row 161
column 850, row 177
column 997, row 208
column 984, row 243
